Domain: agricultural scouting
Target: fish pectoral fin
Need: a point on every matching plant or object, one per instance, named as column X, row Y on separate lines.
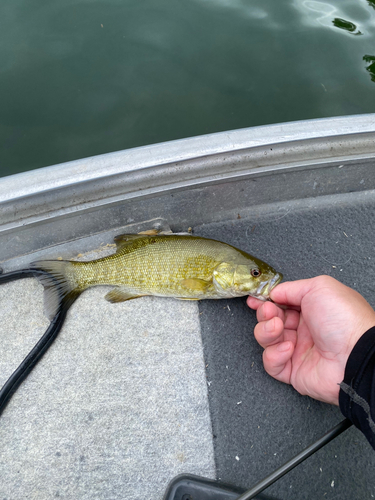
column 185, row 298
column 195, row 284
column 119, row 295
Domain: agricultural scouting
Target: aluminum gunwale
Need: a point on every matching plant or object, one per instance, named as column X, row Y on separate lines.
column 89, row 183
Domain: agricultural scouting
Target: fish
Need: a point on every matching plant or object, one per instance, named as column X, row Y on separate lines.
column 181, row 266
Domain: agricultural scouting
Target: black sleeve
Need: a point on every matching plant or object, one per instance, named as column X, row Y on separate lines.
column 357, row 390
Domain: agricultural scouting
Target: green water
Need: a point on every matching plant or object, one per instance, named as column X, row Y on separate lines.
column 84, row 77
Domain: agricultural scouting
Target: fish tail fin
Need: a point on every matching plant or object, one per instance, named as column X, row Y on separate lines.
column 60, row 286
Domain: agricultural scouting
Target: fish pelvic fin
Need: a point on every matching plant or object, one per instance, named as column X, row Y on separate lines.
column 60, row 287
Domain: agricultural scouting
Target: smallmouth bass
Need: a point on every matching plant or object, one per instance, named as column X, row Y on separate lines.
column 166, row 265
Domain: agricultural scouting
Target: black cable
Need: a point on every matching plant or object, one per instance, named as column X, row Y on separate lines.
column 17, row 275
column 288, row 466
column 40, row 347
column 32, row 358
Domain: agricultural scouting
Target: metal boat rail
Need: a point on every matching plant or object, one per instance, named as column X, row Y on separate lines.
column 275, row 163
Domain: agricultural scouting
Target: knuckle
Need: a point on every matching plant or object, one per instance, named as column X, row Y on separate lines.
column 258, row 332
column 325, row 280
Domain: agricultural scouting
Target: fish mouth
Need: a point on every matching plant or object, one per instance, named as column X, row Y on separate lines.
column 264, row 289
column 275, row 280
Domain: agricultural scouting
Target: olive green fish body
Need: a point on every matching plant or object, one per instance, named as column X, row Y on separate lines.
column 151, row 265
column 180, row 266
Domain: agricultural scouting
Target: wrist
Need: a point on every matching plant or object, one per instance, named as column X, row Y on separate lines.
column 357, row 389
column 364, row 325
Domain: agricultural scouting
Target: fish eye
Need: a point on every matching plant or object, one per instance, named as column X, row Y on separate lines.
column 255, row 272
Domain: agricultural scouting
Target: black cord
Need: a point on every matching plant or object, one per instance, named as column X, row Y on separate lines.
column 288, row 466
column 32, row 358
column 17, row 275
column 40, row 347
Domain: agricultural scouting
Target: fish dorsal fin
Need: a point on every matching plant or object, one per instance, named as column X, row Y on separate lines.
column 153, row 232
column 195, row 284
column 125, row 239
column 120, row 295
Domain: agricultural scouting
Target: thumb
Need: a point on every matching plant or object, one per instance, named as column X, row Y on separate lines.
column 291, row 293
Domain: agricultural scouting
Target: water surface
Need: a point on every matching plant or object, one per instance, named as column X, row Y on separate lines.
column 80, row 78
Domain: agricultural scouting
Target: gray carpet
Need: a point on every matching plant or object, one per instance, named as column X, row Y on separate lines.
column 117, row 406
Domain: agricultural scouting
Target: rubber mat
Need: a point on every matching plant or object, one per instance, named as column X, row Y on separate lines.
column 258, row 422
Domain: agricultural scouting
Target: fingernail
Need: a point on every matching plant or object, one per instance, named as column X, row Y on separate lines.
column 284, row 346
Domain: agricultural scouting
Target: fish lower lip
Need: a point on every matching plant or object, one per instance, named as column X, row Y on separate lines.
column 261, row 288
column 267, row 286
column 275, row 281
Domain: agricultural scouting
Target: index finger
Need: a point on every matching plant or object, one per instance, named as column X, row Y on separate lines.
column 254, row 303
column 269, row 310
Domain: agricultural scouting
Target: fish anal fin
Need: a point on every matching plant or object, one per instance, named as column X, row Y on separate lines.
column 120, row 295
column 195, row 284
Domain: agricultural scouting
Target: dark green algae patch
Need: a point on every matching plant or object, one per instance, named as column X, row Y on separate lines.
column 371, row 66
column 346, row 25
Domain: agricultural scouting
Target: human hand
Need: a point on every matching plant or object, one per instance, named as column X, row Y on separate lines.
column 307, row 344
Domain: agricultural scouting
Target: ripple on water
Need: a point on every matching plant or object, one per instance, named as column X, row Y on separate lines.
column 349, row 18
